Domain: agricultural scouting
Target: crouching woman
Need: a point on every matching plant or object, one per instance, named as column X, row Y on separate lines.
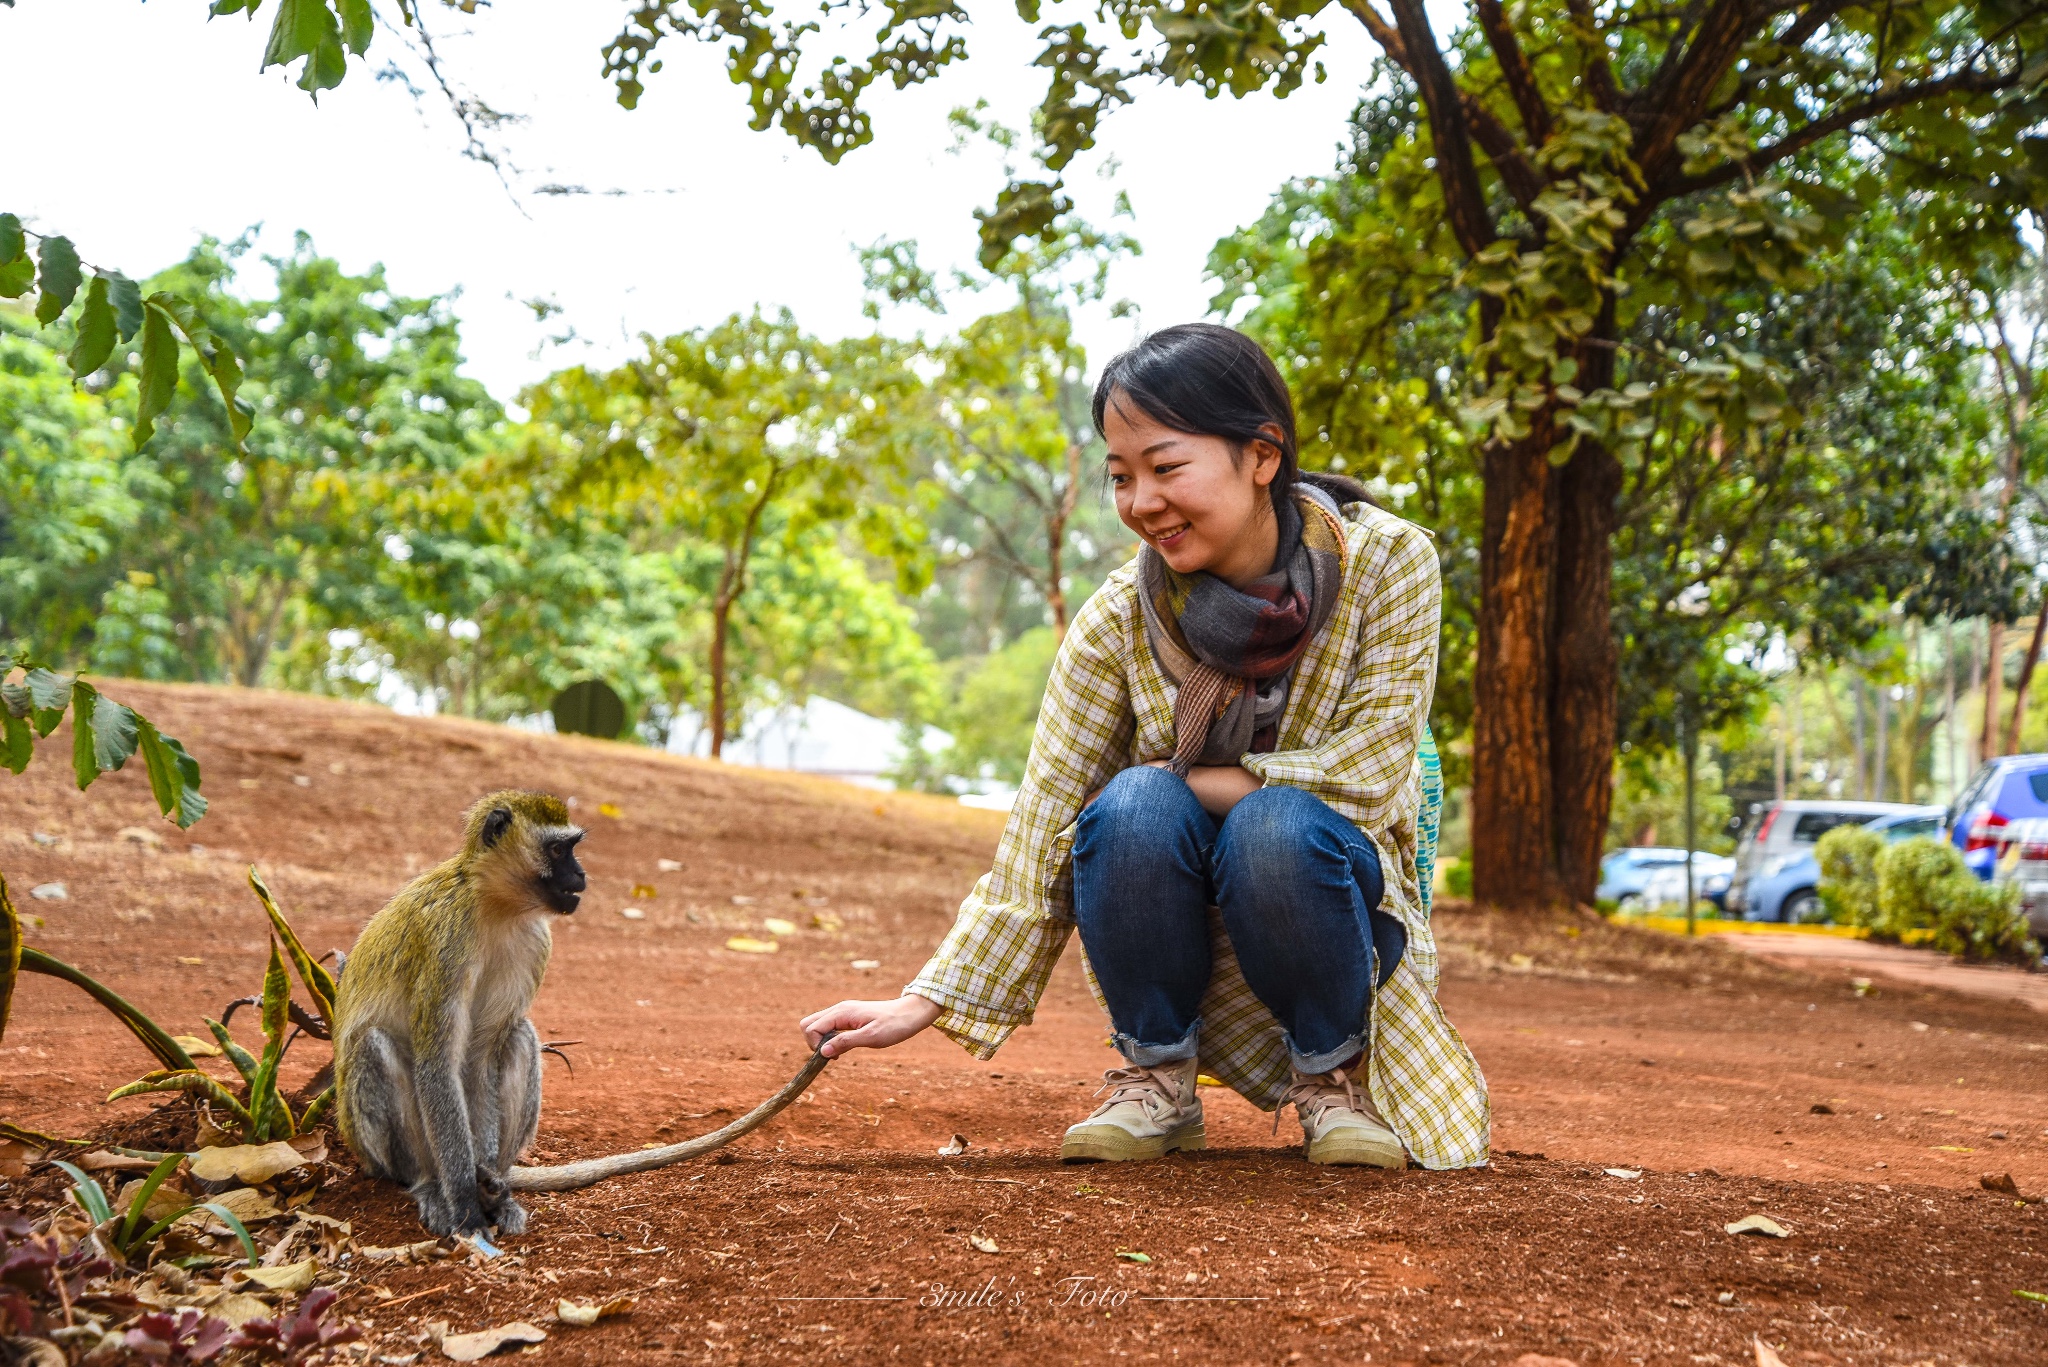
column 1229, row 791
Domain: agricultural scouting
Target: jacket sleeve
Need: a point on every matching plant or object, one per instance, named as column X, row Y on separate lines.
column 991, row 969
column 1365, row 764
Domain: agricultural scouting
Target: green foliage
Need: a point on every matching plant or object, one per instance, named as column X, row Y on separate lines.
column 1923, row 885
column 1649, row 801
column 1458, row 877
column 104, row 735
column 1848, row 875
column 112, row 310
column 997, row 709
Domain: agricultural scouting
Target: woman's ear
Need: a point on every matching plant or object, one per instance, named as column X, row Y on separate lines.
column 1265, row 449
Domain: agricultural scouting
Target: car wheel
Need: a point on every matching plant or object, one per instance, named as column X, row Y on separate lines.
column 1803, row 908
column 1630, row 904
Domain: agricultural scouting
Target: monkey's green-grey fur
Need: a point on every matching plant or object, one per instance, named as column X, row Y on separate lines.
column 437, row 1068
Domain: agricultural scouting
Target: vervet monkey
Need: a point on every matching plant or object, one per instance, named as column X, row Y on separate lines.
column 437, row 1068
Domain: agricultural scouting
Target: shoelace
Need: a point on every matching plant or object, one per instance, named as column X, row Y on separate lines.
column 1310, row 1092
column 1132, row 1083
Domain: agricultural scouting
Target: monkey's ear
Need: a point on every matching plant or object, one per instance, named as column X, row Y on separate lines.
column 495, row 825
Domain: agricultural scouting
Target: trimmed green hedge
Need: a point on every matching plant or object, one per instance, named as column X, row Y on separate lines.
column 1920, row 884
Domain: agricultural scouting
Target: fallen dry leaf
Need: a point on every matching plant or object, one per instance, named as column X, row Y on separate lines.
column 1539, row 1360
column 239, row 1307
column 1766, row 1356
column 864, row 965
column 669, row 865
column 292, row 1277
column 99, row 1160
column 633, row 913
column 775, row 925
column 244, row 1203
column 826, row 921
column 251, row 1163
column 1625, row 1174
column 953, row 1147
column 609, row 809
column 1759, row 1224
column 1204, row 1080
column 581, row 1313
column 747, row 945
column 484, row 1342
column 36, row 1352
column 981, row 1243
column 420, row 1252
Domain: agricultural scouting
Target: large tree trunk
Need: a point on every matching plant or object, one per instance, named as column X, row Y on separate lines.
column 1585, row 667
column 1512, row 856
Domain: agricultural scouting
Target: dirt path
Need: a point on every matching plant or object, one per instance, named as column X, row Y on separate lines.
column 1918, row 967
column 1734, row 1085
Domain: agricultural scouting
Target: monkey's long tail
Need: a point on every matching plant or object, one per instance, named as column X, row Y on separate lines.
column 570, row 1176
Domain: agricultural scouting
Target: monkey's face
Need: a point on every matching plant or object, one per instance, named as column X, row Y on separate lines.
column 562, row 881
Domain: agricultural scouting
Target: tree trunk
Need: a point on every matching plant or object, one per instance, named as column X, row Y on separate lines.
column 1513, row 856
column 1585, row 666
column 1994, row 675
column 2019, row 690
column 721, row 611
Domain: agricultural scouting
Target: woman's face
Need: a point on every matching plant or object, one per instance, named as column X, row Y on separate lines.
column 1187, row 499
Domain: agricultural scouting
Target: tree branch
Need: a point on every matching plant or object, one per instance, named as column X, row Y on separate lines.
column 1969, row 81
column 1679, row 91
column 1514, row 68
column 1382, row 32
column 1464, row 199
column 1599, row 74
column 1503, row 151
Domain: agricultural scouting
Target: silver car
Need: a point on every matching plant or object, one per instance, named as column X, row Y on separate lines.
column 2023, row 860
column 1777, row 877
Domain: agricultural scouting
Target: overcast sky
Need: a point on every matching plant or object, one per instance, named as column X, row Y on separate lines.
column 154, row 127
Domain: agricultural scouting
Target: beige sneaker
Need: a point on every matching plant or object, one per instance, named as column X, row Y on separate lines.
column 1339, row 1123
column 1150, row 1113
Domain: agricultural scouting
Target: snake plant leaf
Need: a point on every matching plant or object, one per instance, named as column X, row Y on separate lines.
column 263, row 1100
column 92, row 1197
column 190, row 1081
column 232, row 1221
column 140, row 1201
column 320, row 984
column 317, row 1109
column 10, row 953
column 153, row 1036
column 244, row 1061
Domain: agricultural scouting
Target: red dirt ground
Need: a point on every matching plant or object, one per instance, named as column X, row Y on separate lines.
column 1605, row 1048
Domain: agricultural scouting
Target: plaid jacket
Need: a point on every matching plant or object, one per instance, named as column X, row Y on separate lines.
column 1354, row 734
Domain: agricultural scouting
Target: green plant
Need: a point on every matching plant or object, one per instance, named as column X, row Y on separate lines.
column 1923, row 885
column 261, row 1113
column 129, row 1237
column 1848, row 874
column 1458, row 877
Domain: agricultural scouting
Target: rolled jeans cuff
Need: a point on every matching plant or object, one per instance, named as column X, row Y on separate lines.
column 1328, row 1060
column 1158, row 1055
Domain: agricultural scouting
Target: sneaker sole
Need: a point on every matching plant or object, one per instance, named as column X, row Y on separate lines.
column 1112, row 1144
column 1357, row 1151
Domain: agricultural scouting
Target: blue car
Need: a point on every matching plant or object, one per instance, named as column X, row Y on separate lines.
column 1777, row 877
column 2003, row 791
column 1628, row 873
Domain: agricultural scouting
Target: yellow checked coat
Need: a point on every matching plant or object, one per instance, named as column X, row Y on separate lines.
column 1353, row 735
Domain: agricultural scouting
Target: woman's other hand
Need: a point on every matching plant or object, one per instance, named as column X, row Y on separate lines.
column 1219, row 787
column 869, row 1025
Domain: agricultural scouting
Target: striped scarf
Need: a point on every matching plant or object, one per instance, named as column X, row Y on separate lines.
column 1232, row 651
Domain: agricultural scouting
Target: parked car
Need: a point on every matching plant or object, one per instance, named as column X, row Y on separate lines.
column 1650, row 874
column 2003, row 791
column 1777, row 877
column 2023, row 861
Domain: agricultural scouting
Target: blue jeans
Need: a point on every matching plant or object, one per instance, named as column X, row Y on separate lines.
column 1299, row 890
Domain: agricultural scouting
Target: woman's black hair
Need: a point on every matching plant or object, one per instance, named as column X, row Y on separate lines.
column 1214, row 381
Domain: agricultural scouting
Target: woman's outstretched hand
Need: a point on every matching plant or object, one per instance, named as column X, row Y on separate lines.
column 869, row 1025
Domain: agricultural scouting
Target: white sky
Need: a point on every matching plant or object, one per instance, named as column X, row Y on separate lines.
column 155, row 127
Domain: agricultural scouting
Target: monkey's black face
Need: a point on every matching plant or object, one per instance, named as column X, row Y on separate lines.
column 563, row 883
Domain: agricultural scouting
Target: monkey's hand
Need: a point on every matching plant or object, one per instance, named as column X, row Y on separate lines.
column 868, row 1025
column 443, row 1215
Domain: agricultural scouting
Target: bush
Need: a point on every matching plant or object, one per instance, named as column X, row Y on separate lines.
column 1457, row 877
column 1923, row 884
column 1848, row 874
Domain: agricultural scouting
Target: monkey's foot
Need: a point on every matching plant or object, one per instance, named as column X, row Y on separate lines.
column 510, row 1217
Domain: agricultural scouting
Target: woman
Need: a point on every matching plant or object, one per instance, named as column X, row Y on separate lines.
column 1224, row 796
